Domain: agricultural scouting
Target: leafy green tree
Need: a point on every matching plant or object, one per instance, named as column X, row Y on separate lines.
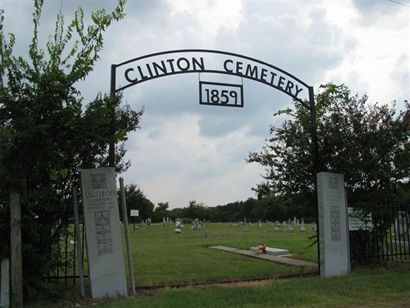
column 196, row 210
column 368, row 143
column 46, row 133
column 136, row 200
column 176, row 213
column 161, row 211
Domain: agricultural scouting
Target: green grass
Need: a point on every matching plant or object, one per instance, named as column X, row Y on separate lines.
column 376, row 287
column 160, row 256
column 357, row 289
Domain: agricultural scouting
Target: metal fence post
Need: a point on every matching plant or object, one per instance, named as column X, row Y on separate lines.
column 127, row 241
column 16, row 269
column 5, row 283
column 78, row 240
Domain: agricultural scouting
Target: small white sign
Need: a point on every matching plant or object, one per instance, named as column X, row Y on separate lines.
column 135, row 213
column 359, row 221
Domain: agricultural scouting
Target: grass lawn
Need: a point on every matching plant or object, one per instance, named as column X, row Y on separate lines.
column 161, row 256
column 374, row 287
column 362, row 288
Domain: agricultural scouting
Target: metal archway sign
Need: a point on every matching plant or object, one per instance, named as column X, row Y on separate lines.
column 173, row 62
column 183, row 61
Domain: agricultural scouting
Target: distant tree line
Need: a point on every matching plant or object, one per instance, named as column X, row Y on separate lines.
column 272, row 208
column 269, row 208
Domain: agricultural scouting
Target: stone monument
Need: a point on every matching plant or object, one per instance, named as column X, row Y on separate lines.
column 333, row 225
column 302, row 226
column 102, row 223
column 178, row 225
column 290, row 227
column 196, row 224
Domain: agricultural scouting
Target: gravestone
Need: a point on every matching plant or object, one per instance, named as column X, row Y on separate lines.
column 102, row 223
column 178, row 225
column 196, row 224
column 302, row 226
column 333, row 226
column 290, row 227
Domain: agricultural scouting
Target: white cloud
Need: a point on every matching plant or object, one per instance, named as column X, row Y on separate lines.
column 185, row 151
column 211, row 17
column 184, row 165
column 382, row 49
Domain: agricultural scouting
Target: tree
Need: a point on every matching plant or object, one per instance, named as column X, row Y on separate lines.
column 46, row 136
column 161, row 211
column 196, row 210
column 136, row 200
column 368, row 143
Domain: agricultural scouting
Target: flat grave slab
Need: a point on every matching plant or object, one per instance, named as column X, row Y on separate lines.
column 309, row 266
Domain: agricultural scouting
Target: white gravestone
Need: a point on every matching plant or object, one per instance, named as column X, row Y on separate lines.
column 290, row 227
column 302, row 226
column 333, row 226
column 178, row 225
column 102, row 223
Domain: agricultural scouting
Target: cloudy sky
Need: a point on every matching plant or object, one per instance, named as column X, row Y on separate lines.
column 187, row 151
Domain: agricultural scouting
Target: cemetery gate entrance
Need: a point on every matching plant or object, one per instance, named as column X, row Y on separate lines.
column 174, row 62
column 390, row 244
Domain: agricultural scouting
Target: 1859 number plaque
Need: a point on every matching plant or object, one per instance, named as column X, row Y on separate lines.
column 220, row 94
